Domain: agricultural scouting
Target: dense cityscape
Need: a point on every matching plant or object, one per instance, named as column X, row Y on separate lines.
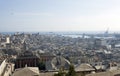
column 44, row 54
column 59, row 37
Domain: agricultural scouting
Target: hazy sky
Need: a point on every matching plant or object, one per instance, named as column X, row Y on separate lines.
column 59, row 15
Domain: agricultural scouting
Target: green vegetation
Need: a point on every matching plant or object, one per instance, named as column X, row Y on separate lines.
column 41, row 65
column 71, row 72
column 60, row 73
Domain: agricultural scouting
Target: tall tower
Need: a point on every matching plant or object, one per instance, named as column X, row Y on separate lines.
column 8, row 40
column 24, row 46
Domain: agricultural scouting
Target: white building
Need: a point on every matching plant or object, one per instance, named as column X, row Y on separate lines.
column 6, row 68
column 2, row 66
column 8, row 40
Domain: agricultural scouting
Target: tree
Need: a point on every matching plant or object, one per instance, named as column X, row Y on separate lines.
column 71, row 71
column 41, row 65
column 60, row 73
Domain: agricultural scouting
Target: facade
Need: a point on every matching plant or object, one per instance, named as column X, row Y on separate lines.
column 26, row 58
column 2, row 66
column 44, row 57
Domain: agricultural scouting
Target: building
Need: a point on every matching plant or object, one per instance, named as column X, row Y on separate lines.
column 6, row 68
column 44, row 57
column 84, row 68
column 107, row 73
column 56, row 63
column 26, row 71
column 2, row 66
column 7, row 40
column 28, row 58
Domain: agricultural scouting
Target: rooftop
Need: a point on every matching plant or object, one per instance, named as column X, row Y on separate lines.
column 108, row 73
column 27, row 71
column 84, row 67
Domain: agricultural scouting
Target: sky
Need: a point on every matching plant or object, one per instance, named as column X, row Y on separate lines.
column 59, row 15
